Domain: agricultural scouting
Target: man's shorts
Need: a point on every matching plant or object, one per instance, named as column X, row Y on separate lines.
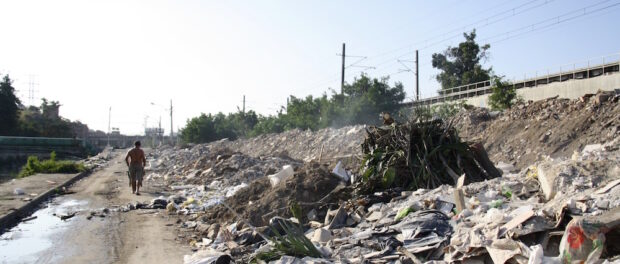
column 136, row 172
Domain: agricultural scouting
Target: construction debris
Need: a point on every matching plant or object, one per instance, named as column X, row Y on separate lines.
column 512, row 137
column 423, row 154
column 271, row 206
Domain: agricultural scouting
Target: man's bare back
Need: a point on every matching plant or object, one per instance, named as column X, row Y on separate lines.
column 136, row 161
column 136, row 156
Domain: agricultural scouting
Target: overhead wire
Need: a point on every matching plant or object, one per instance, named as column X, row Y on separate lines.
column 557, row 19
column 454, row 30
column 488, row 21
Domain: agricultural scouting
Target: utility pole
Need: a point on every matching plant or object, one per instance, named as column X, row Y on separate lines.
column 109, row 118
column 244, row 105
column 160, row 134
column 342, row 77
column 171, row 127
column 417, row 78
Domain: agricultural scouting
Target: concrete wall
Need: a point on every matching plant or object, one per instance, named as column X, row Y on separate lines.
column 572, row 89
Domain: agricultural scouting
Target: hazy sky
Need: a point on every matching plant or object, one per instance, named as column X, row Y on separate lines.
column 205, row 55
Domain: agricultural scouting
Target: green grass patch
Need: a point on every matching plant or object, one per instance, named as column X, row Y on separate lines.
column 34, row 166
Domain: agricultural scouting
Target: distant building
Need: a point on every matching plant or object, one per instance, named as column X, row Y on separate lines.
column 156, row 132
column 50, row 110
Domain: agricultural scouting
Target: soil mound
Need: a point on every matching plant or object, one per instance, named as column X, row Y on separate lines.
column 258, row 202
column 553, row 127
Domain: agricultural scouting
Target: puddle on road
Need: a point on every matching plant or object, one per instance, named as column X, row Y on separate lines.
column 22, row 243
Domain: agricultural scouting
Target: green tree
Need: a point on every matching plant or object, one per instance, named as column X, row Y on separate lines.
column 504, row 94
column 304, row 113
column 34, row 123
column 361, row 103
column 199, row 129
column 269, row 124
column 9, row 107
column 365, row 99
column 461, row 65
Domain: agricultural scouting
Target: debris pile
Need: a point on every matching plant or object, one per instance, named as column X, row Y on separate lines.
column 327, row 144
column 552, row 127
column 421, row 155
column 510, row 219
column 99, row 160
column 280, row 199
column 311, row 186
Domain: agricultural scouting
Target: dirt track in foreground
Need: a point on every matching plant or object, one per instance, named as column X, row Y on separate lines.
column 136, row 236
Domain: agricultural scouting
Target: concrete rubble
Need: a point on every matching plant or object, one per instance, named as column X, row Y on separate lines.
column 278, row 192
column 98, row 160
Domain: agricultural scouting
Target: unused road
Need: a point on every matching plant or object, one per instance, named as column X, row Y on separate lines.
column 138, row 236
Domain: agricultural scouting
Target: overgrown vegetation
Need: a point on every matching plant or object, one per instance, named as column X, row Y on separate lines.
column 9, row 107
column 361, row 103
column 504, row 94
column 439, row 111
column 51, row 165
column 423, row 153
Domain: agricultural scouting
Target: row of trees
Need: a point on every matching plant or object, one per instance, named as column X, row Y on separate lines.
column 361, row 101
column 33, row 121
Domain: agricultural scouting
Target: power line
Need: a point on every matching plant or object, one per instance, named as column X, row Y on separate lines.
column 556, row 20
column 487, row 22
column 513, row 12
column 541, row 25
column 455, row 21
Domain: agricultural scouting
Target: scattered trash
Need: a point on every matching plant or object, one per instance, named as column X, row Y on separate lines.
column 284, row 174
column 341, row 172
column 29, row 218
column 424, row 195
column 207, row 257
column 18, row 191
column 66, row 216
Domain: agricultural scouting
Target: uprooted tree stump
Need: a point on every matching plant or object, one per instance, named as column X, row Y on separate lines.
column 421, row 155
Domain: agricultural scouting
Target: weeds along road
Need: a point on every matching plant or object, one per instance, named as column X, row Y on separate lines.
column 137, row 236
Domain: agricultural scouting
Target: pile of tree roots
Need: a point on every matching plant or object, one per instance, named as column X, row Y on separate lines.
column 422, row 154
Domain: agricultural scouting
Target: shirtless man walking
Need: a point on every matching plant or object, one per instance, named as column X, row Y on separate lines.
column 136, row 161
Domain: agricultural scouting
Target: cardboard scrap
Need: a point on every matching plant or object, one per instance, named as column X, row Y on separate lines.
column 608, row 187
column 516, row 221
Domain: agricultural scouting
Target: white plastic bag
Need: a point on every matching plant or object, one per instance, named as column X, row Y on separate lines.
column 19, row 191
column 341, row 172
column 286, row 172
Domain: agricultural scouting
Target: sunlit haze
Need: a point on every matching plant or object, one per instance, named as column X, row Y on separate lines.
column 136, row 56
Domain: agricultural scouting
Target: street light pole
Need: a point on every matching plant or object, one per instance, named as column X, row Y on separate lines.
column 171, row 127
column 109, row 122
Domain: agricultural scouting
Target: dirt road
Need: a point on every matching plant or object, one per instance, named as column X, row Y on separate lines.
column 138, row 236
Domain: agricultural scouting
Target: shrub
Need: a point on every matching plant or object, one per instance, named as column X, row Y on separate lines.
column 34, row 166
column 504, row 94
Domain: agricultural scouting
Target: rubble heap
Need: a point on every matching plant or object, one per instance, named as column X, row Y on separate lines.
column 280, row 199
column 421, row 155
column 260, row 200
column 530, row 130
column 99, row 160
column 516, row 218
column 325, row 144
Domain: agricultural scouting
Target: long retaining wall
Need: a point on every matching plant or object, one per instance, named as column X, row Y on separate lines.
column 572, row 89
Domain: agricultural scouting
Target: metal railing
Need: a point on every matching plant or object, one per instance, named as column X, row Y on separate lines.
column 579, row 70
